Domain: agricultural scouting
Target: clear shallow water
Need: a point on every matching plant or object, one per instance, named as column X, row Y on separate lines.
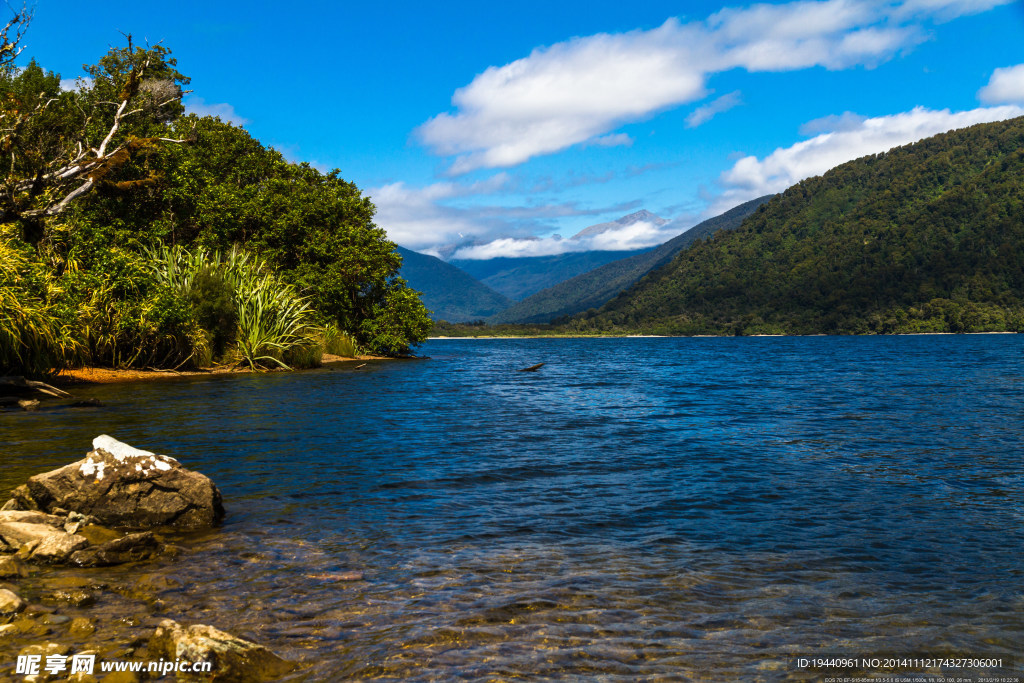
column 667, row 509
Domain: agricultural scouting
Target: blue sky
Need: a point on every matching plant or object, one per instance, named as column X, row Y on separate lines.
column 497, row 126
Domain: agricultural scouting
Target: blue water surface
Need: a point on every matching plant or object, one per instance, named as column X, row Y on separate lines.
column 661, row 508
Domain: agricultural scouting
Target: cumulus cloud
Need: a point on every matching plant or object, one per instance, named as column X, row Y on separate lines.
column 437, row 218
column 582, row 89
column 639, row 235
column 418, row 218
column 751, row 177
column 711, row 109
column 1006, row 86
column 226, row 112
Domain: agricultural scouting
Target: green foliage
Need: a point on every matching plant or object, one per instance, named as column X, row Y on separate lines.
column 315, row 230
column 337, row 342
column 396, row 320
column 33, row 339
column 926, row 237
column 126, row 319
column 91, row 182
column 60, row 145
column 266, row 318
column 212, row 298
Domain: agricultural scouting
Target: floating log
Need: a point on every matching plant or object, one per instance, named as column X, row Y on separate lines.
column 360, row 366
column 532, row 368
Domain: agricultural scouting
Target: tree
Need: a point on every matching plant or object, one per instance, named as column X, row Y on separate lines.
column 57, row 146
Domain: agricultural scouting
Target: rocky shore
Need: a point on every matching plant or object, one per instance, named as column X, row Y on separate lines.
column 74, row 548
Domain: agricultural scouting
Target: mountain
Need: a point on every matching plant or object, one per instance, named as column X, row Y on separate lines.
column 642, row 216
column 448, row 292
column 519, row 277
column 595, row 287
column 925, row 237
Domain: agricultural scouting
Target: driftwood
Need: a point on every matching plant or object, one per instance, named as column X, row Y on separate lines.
column 532, row 368
column 360, row 366
column 19, row 386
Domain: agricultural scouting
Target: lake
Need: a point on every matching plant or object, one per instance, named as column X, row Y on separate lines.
column 653, row 508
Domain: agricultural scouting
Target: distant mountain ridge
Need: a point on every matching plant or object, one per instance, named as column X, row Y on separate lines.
column 595, row 287
column 448, row 292
column 642, row 216
column 519, row 277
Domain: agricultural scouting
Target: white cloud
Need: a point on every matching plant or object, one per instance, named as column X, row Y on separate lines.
column 945, row 10
column 226, row 112
column 1005, row 86
column 417, row 217
column 639, row 235
column 583, row 89
column 833, row 124
column 752, row 177
column 711, row 109
column 441, row 217
column 72, row 84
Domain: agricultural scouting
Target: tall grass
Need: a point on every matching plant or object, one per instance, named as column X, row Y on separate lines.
column 276, row 326
column 33, row 340
column 338, row 342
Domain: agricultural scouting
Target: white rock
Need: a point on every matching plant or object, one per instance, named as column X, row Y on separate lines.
column 118, row 449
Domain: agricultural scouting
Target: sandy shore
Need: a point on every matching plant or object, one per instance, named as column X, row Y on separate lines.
column 89, row 375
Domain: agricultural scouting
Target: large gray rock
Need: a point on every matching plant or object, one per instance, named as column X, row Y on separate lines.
column 231, row 658
column 127, row 487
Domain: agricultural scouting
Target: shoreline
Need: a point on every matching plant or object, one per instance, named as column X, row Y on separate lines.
column 703, row 336
column 98, row 375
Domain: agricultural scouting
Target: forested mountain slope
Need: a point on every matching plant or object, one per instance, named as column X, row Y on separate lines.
column 925, row 237
column 595, row 287
column 519, row 277
column 448, row 292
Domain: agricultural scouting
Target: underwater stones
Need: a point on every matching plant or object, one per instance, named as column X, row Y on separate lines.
column 12, row 567
column 128, row 548
column 10, row 602
column 73, row 596
column 81, row 627
column 123, row 486
column 232, row 658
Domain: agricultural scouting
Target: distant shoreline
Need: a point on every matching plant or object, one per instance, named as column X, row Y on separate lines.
column 698, row 336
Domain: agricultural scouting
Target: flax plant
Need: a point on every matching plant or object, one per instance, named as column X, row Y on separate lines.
column 276, row 326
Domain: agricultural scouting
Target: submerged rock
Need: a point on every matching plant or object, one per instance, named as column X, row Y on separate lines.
column 231, row 658
column 123, row 486
column 12, row 567
column 129, row 548
column 10, row 602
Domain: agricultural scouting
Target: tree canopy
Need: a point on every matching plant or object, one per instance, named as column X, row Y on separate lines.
column 97, row 179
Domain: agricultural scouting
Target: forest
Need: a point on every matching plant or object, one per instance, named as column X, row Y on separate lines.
column 928, row 237
column 133, row 234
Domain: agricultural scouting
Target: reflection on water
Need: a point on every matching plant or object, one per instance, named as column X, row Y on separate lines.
column 662, row 508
